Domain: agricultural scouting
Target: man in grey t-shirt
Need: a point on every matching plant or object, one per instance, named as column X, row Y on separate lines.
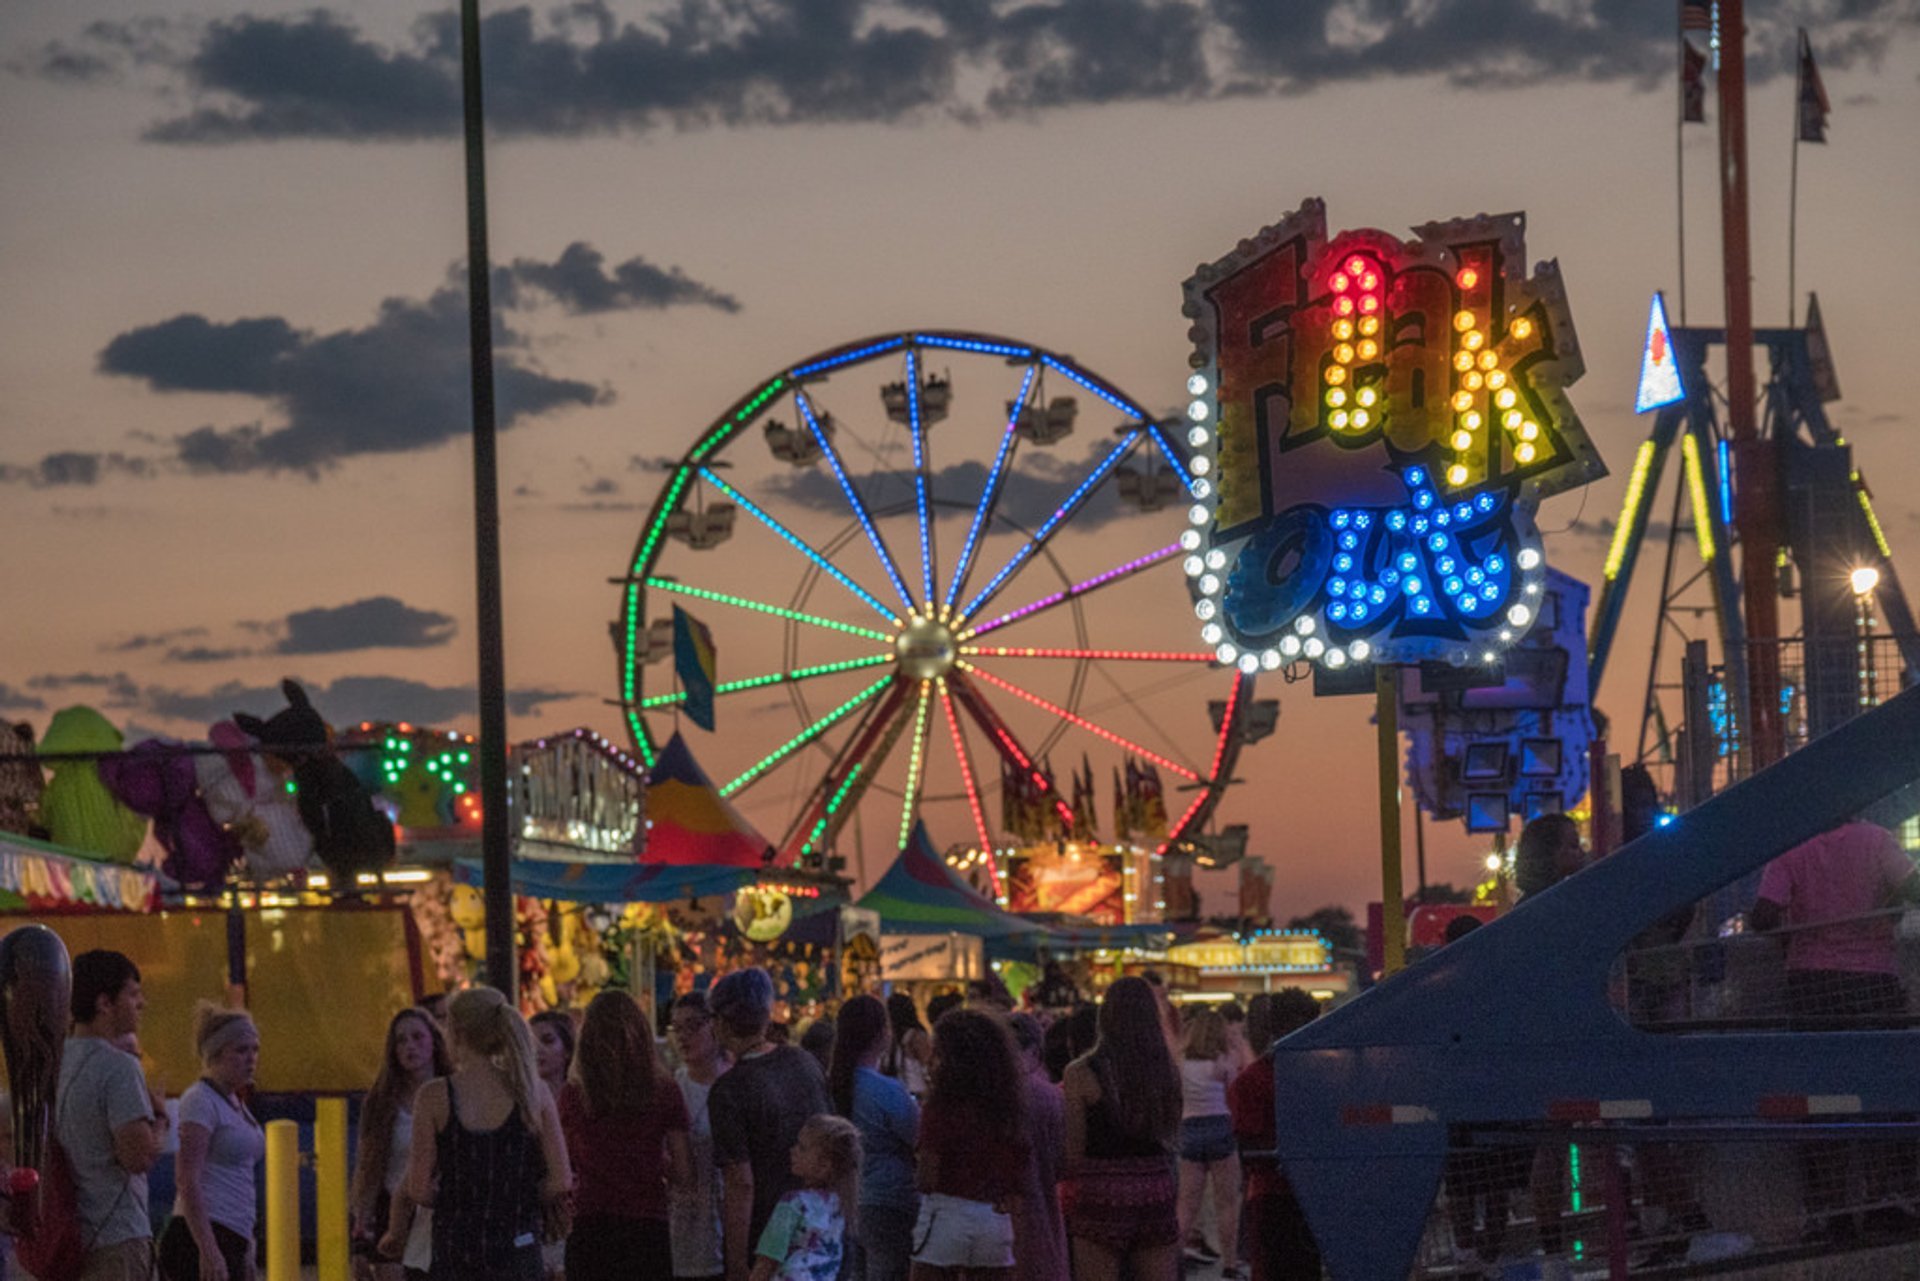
column 108, row 1121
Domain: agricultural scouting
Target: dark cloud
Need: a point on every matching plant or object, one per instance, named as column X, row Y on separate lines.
column 347, row 701
column 400, row 383
column 1033, row 489
column 20, row 700
column 152, row 640
column 378, row 622
column 579, row 281
column 71, row 468
column 207, row 654
column 576, row 69
column 114, row 689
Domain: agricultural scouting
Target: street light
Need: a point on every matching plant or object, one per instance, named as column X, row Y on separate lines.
column 1863, row 580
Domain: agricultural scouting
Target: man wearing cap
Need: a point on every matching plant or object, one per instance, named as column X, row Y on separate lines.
column 757, row 1108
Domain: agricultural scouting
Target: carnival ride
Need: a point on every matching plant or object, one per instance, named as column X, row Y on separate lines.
column 1826, row 531
column 879, row 594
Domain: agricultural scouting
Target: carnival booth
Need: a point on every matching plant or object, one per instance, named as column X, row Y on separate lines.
column 934, row 928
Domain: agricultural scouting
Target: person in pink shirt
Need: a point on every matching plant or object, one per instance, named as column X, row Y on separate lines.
column 1843, row 975
column 1846, row 972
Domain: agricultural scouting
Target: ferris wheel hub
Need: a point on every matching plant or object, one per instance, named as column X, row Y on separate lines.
column 926, row 649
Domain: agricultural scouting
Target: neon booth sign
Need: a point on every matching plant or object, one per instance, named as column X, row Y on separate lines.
column 1374, row 423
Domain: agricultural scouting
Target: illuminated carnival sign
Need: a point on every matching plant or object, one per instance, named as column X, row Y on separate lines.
column 1374, row 423
column 1660, row 383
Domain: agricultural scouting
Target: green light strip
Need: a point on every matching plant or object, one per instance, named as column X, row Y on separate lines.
column 1873, row 521
column 752, row 407
column 629, row 680
column 672, row 504
column 915, row 762
column 741, row 602
column 1697, row 494
column 833, row 805
column 774, row 678
column 805, row 736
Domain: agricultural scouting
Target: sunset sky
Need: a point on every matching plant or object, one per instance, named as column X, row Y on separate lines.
column 233, row 350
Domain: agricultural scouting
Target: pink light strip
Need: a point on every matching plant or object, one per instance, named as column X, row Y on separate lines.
column 1029, row 651
column 973, row 791
column 1078, row 589
column 1073, row 718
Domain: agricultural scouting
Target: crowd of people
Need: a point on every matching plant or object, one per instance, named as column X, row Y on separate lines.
column 969, row 1141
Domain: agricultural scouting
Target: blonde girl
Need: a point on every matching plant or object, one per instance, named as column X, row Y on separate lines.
column 211, row 1236
column 806, row 1237
column 488, row 1154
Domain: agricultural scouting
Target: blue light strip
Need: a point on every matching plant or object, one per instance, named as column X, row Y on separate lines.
column 919, row 431
column 844, row 358
column 990, row 496
column 1054, row 521
column 1173, row 459
column 968, row 344
column 707, row 474
column 853, row 500
column 1723, row 458
column 1124, row 406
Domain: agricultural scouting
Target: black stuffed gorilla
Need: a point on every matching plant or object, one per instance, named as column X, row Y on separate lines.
column 349, row 834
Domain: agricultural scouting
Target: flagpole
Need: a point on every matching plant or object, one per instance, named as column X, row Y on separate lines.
column 1680, row 154
column 1793, row 183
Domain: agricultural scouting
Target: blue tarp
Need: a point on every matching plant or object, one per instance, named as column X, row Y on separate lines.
column 614, row 882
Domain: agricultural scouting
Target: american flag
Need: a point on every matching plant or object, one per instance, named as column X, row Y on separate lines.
column 1813, row 96
column 1696, row 15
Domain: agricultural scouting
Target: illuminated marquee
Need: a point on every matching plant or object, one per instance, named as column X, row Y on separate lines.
column 1374, row 424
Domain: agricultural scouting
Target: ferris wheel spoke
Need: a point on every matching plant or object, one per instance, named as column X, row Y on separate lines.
column 829, row 794
column 918, row 428
column 1098, row 655
column 1079, row 589
column 990, row 496
column 778, row 611
column 1100, row 472
column 973, row 788
column 916, row 763
column 799, row 544
column 853, row 498
column 783, row 752
column 1074, row 718
column 1001, row 736
column 859, row 778
column 679, row 696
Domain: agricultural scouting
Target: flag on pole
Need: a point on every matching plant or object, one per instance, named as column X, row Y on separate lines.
column 1693, row 85
column 1696, row 15
column 1122, row 811
column 693, row 662
column 1812, row 96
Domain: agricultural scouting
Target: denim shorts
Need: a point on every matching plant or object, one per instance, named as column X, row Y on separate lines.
column 1205, row 1139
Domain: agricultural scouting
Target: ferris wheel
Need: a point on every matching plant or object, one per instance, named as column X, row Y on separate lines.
column 898, row 638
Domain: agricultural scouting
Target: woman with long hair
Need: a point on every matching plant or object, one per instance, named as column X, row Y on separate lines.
column 1123, row 1114
column 553, row 1041
column 906, row 1060
column 889, row 1122
column 973, row 1152
column 695, row 1217
column 1208, row 1063
column 211, row 1236
column 488, row 1154
column 383, row 1214
column 626, row 1128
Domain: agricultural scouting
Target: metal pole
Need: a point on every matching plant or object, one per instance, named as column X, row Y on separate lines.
column 1393, row 899
column 1756, row 502
column 495, row 856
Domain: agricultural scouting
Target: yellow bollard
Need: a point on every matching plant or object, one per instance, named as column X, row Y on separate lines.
column 330, row 1188
column 283, row 1201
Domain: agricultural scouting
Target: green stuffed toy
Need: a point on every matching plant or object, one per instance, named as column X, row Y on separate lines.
column 78, row 810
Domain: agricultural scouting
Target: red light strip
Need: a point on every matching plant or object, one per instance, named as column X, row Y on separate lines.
column 1139, row 655
column 973, row 791
column 990, row 721
column 1083, row 723
column 1219, row 755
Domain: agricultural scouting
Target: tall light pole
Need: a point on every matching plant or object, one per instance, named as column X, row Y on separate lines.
column 1863, row 581
column 495, row 854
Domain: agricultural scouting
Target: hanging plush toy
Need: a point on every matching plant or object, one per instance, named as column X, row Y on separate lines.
column 21, row 781
column 79, row 811
column 349, row 834
column 244, row 797
column 158, row 780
